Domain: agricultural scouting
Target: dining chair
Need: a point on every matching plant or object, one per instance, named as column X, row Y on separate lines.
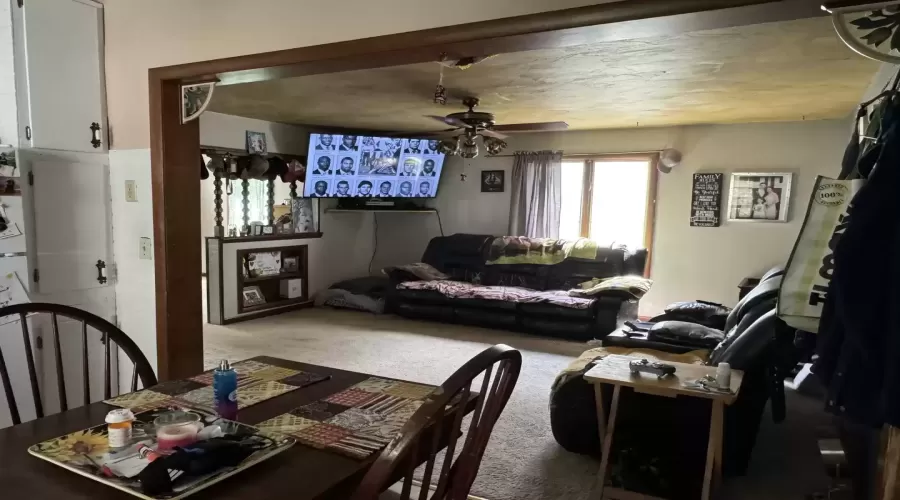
column 110, row 335
column 426, row 432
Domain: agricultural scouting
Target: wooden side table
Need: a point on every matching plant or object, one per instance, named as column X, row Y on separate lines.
column 613, row 369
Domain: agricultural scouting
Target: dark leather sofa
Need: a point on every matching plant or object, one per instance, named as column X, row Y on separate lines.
column 463, row 256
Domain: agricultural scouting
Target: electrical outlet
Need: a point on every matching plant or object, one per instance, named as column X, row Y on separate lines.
column 146, row 249
column 130, row 191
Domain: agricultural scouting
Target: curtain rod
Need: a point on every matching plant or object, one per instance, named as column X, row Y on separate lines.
column 589, row 155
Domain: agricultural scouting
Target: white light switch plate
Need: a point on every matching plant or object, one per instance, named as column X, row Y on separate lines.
column 146, row 249
column 130, row 191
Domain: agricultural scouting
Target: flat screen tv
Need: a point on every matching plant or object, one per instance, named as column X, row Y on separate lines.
column 357, row 166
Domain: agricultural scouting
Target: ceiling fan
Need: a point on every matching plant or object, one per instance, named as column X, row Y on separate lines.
column 475, row 124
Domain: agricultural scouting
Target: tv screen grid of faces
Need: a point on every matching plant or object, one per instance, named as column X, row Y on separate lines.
column 342, row 166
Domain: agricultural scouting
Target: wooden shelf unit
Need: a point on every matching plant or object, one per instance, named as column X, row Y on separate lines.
column 281, row 276
column 269, row 286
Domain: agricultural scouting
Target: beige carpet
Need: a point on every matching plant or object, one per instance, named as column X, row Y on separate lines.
column 522, row 461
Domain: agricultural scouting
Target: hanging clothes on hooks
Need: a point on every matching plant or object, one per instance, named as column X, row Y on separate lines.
column 859, row 332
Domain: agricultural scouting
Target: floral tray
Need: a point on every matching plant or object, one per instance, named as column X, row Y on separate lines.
column 86, row 453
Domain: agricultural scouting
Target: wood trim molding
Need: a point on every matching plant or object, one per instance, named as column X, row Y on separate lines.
column 624, row 19
column 179, row 314
column 587, row 198
column 175, row 147
column 650, row 214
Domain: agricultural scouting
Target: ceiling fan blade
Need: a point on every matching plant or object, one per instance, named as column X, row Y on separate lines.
column 453, row 122
column 531, row 127
column 492, row 133
column 421, row 134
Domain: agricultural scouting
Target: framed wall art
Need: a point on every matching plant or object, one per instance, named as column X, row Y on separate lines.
column 493, row 181
column 759, row 196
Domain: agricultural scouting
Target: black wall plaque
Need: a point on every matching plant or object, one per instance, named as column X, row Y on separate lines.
column 706, row 200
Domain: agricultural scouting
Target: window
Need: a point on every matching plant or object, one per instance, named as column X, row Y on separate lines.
column 258, row 208
column 609, row 198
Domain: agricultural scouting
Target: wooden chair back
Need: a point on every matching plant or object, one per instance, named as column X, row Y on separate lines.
column 110, row 335
column 426, row 432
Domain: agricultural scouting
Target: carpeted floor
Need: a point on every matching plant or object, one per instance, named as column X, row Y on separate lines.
column 522, row 461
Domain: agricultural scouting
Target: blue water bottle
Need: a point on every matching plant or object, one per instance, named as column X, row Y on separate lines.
column 225, row 390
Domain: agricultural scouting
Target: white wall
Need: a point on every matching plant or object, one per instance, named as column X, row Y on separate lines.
column 688, row 262
column 135, row 277
column 229, row 131
column 8, row 120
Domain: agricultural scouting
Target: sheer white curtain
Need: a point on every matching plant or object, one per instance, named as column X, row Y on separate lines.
column 258, row 196
column 536, row 194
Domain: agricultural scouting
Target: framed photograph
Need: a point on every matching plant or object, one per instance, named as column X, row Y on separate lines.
column 759, row 196
column 268, row 230
column 263, row 264
column 493, row 181
column 290, row 264
column 10, row 186
column 305, row 215
column 256, row 143
column 253, row 296
column 256, row 230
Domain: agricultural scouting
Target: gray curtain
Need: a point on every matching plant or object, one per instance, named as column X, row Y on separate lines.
column 536, row 194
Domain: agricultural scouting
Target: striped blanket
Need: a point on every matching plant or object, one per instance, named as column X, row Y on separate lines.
column 464, row 290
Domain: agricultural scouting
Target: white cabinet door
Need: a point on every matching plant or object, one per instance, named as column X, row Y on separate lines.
column 72, row 223
column 69, row 230
column 60, row 44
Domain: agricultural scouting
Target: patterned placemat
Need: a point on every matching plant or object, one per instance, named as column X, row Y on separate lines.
column 257, row 382
column 357, row 421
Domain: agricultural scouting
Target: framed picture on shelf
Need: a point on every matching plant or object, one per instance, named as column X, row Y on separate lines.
column 261, row 264
column 759, row 196
column 305, row 214
column 268, row 230
column 253, row 296
column 256, row 143
column 290, row 264
column 10, row 186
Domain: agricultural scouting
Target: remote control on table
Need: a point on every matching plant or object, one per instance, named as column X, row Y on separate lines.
column 661, row 370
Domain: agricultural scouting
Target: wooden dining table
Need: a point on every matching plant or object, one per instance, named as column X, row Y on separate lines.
column 300, row 473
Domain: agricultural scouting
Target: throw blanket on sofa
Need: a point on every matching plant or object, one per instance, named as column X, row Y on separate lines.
column 635, row 286
column 464, row 290
column 522, row 250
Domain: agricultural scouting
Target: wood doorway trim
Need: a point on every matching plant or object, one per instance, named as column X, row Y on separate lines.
column 175, row 147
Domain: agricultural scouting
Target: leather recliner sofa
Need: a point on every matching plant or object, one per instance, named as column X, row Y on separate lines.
column 463, row 257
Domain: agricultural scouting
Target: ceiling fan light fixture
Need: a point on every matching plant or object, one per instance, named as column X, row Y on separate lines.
column 494, row 146
column 469, row 149
column 448, row 147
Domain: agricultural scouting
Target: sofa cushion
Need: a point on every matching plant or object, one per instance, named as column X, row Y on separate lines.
column 521, row 275
column 458, row 251
column 418, row 270
column 423, row 296
column 554, row 311
column 572, row 272
column 682, row 332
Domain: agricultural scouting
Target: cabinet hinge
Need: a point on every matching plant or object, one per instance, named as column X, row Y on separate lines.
column 21, row 3
column 36, row 275
column 39, row 342
column 31, row 178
